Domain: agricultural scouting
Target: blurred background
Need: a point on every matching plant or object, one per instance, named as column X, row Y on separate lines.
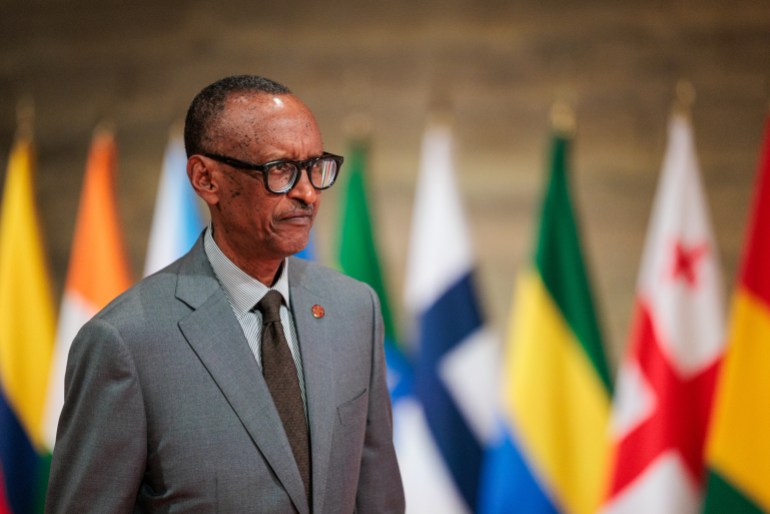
column 499, row 66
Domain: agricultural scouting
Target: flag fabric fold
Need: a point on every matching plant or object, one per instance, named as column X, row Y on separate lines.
column 177, row 220
column 455, row 352
column 98, row 266
column 550, row 451
column 738, row 450
column 26, row 338
column 666, row 379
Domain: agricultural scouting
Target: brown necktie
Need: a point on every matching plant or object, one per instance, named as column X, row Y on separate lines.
column 281, row 377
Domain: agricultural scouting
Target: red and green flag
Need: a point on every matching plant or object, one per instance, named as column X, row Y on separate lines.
column 738, row 447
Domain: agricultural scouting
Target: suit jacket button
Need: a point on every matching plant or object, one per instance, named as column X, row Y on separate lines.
column 318, row 311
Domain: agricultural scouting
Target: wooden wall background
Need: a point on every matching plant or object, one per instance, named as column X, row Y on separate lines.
column 499, row 65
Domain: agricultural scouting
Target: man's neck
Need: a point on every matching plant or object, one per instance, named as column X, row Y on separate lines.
column 267, row 274
column 266, row 270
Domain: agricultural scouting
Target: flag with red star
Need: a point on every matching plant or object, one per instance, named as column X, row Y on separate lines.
column 666, row 379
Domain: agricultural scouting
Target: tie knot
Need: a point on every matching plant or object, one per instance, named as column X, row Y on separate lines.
column 270, row 307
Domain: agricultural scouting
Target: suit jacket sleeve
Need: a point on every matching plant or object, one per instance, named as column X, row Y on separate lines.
column 380, row 489
column 100, row 452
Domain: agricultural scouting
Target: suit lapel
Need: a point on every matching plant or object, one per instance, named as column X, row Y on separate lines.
column 314, row 334
column 216, row 337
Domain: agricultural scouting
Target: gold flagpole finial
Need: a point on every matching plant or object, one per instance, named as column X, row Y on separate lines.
column 685, row 97
column 176, row 129
column 563, row 118
column 25, row 117
column 358, row 125
column 104, row 127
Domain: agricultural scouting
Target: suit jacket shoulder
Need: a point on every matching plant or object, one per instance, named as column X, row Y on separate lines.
column 323, row 280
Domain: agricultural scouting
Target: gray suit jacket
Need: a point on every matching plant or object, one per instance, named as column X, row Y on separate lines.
column 166, row 409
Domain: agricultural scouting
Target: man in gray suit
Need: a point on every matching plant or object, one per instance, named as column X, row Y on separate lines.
column 171, row 402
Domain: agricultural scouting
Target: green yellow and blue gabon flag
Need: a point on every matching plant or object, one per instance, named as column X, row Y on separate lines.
column 551, row 455
column 738, row 446
column 26, row 339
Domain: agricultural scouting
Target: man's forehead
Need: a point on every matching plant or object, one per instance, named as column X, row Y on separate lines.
column 257, row 117
column 268, row 102
column 247, row 108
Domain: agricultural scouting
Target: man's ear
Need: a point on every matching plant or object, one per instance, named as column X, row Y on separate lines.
column 202, row 179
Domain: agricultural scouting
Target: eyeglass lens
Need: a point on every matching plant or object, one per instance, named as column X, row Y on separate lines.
column 282, row 176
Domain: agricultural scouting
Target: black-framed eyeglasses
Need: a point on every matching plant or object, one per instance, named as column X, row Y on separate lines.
column 282, row 175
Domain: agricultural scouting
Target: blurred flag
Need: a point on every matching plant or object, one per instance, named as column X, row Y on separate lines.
column 666, row 380
column 308, row 252
column 26, row 339
column 454, row 374
column 556, row 387
column 98, row 267
column 177, row 221
column 738, row 449
column 5, row 507
column 358, row 258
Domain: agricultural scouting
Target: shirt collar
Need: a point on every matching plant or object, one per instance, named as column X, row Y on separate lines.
column 243, row 290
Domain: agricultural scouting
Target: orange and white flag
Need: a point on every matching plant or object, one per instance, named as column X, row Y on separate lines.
column 98, row 267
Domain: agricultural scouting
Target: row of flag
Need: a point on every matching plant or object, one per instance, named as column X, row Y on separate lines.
column 533, row 425
column 33, row 345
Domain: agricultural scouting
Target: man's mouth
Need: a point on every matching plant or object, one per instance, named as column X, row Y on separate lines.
column 298, row 216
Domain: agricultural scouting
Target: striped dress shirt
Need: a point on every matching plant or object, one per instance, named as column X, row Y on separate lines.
column 244, row 292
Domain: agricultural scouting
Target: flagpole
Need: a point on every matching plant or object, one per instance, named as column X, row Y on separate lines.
column 104, row 127
column 563, row 118
column 176, row 129
column 440, row 108
column 358, row 126
column 685, row 98
column 25, row 117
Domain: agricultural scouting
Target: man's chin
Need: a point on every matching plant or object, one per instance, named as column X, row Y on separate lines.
column 288, row 240
column 295, row 247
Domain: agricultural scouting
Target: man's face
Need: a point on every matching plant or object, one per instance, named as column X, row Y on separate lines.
column 249, row 221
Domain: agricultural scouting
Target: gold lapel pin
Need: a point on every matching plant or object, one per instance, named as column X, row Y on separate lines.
column 318, row 311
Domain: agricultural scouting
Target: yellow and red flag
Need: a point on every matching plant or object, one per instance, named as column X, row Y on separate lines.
column 738, row 449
